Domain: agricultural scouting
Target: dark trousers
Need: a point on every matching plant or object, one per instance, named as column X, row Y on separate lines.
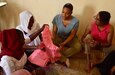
column 107, row 64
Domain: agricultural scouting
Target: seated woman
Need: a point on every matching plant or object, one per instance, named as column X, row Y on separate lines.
column 31, row 31
column 101, row 31
column 12, row 56
column 107, row 67
column 99, row 34
column 65, row 27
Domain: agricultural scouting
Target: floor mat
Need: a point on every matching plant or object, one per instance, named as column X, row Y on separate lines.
column 62, row 70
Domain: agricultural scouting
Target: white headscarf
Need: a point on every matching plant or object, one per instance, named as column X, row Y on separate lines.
column 24, row 22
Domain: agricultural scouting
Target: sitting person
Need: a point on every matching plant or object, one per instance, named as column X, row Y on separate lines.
column 100, row 33
column 12, row 56
column 107, row 67
column 65, row 27
column 31, row 31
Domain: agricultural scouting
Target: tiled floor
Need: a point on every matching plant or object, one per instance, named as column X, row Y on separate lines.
column 78, row 66
column 79, row 63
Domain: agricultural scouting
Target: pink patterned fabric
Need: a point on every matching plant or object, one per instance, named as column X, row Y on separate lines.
column 51, row 49
column 39, row 58
column 48, row 52
column 100, row 35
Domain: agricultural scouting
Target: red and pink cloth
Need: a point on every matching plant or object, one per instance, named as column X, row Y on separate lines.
column 50, row 52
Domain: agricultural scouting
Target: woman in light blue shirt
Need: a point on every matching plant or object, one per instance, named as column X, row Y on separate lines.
column 65, row 27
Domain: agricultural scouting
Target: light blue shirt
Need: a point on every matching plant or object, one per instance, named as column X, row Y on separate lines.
column 63, row 31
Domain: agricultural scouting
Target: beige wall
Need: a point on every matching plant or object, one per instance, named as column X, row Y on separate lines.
column 45, row 10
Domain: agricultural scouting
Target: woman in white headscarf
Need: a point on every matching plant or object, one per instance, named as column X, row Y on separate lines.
column 30, row 29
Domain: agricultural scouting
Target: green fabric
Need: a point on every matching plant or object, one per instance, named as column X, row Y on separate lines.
column 71, row 48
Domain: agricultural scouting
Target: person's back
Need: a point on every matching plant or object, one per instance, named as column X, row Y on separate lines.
column 12, row 41
column 12, row 51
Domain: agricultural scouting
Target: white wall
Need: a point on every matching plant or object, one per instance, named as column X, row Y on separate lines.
column 45, row 10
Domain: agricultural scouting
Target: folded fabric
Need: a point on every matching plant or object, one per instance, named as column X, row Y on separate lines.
column 47, row 52
column 39, row 57
column 51, row 49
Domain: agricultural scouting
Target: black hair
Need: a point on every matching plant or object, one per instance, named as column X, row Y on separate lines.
column 69, row 6
column 104, row 16
column 19, row 32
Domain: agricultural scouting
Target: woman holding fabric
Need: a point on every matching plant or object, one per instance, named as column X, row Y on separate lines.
column 65, row 27
column 31, row 31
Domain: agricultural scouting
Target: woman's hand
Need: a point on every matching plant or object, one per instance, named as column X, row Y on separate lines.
column 93, row 43
column 44, row 26
column 53, row 36
column 62, row 45
column 90, row 42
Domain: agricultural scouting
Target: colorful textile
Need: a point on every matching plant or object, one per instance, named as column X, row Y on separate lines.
column 49, row 52
column 51, row 49
column 39, row 58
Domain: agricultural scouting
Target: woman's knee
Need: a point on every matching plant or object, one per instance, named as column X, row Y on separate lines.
column 77, row 46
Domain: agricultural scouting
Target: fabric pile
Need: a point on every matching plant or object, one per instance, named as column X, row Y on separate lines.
column 47, row 52
column 51, row 49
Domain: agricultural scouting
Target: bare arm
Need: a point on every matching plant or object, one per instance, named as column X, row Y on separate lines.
column 70, row 37
column 27, row 47
column 87, row 31
column 34, row 35
column 109, row 38
column 54, row 32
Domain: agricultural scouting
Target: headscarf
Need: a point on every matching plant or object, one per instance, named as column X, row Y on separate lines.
column 12, row 43
column 24, row 22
